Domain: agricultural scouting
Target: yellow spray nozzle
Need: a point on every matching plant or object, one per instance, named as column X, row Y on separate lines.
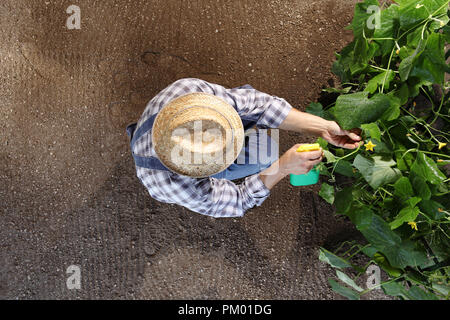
column 309, row 147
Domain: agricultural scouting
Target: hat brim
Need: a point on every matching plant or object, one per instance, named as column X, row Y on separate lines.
column 160, row 133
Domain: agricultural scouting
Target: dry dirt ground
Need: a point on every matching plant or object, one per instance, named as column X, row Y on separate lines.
column 68, row 191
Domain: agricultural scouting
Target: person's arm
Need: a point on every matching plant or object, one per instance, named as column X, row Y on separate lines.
column 303, row 122
column 329, row 130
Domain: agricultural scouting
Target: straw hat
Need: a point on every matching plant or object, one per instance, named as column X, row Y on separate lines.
column 198, row 135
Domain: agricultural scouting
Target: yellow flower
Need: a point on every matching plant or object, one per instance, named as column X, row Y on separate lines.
column 370, row 146
column 441, row 145
column 440, row 210
column 398, row 51
column 413, row 225
column 440, row 160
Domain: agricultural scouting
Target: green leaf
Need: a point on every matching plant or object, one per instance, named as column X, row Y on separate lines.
column 343, row 201
column 378, row 233
column 416, row 293
column 327, row 193
column 369, row 251
column 412, row 201
column 442, row 288
column 412, row 40
column 405, row 254
column 347, row 280
column 340, row 70
column 404, row 160
column 361, row 16
column 323, row 170
column 372, row 130
column 329, row 156
column 385, row 77
column 361, row 51
column 430, row 65
column 336, row 90
column 381, row 260
column 432, row 209
column 413, row 12
column 345, row 168
column 439, row 243
column 376, row 171
column 427, row 169
column 402, row 94
column 342, row 290
column 332, row 259
column 407, row 214
column 407, row 64
column 395, row 289
column 446, row 32
column 322, row 142
column 393, row 112
column 352, row 110
column 414, row 85
column 414, row 276
column 381, row 148
column 389, row 24
column 403, row 188
column 357, row 68
column 374, row 229
column 316, row 109
column 420, row 186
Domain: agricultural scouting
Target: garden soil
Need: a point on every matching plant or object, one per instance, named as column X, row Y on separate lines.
column 68, row 190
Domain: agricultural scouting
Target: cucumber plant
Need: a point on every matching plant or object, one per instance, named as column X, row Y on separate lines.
column 395, row 186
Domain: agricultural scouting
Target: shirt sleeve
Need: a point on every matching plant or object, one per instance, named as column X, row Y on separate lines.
column 219, row 198
column 231, row 200
column 266, row 110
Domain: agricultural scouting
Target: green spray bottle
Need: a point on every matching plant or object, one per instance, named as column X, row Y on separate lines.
column 312, row 177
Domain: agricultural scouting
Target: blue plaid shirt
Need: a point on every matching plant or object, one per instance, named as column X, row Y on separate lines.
column 210, row 196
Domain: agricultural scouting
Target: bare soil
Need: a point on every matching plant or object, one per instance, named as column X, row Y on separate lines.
column 68, row 191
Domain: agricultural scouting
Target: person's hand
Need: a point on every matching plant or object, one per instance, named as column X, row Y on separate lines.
column 293, row 162
column 348, row 139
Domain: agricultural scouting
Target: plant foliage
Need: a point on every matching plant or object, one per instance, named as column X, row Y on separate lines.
column 395, row 187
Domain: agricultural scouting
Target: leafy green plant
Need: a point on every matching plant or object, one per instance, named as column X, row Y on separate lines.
column 395, row 186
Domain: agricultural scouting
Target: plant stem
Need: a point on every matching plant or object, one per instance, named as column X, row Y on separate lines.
column 388, row 67
column 382, row 69
column 428, row 152
column 339, row 159
column 439, row 109
column 369, row 39
column 359, row 250
column 381, row 188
